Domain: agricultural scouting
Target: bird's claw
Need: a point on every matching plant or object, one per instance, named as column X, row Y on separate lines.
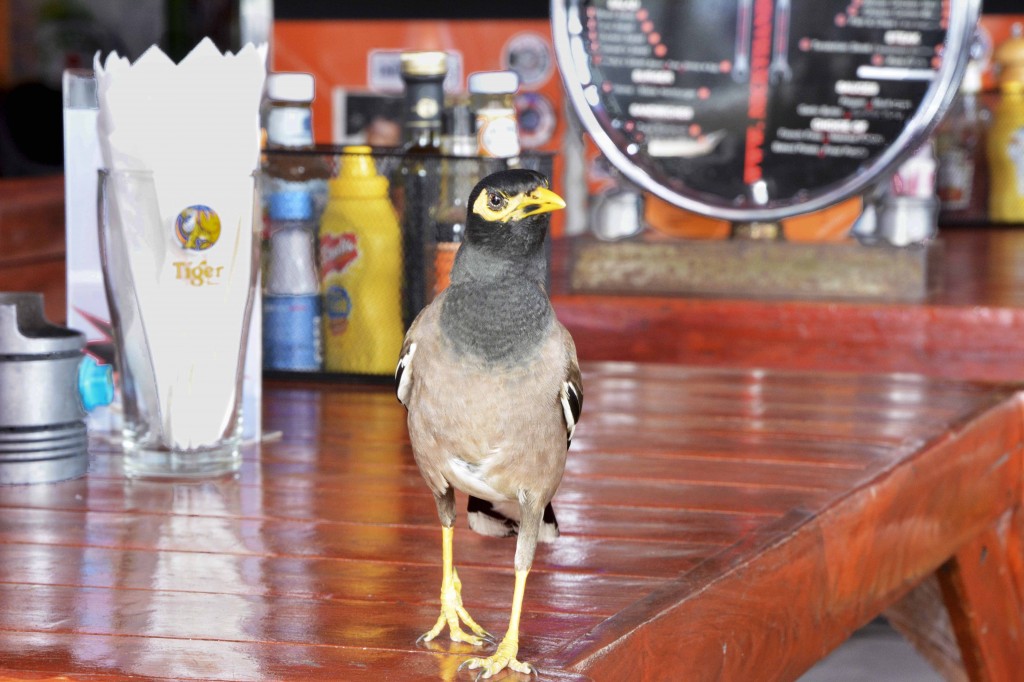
column 454, row 614
column 504, row 657
column 455, row 631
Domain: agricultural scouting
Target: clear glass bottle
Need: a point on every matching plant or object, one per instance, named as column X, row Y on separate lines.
column 288, row 121
column 291, row 299
column 415, row 182
column 492, row 94
column 293, row 189
column 962, row 180
column 461, row 169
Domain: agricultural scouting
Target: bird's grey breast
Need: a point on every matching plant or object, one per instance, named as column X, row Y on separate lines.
column 504, row 321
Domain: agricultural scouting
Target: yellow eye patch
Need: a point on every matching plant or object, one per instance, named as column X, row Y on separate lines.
column 497, row 207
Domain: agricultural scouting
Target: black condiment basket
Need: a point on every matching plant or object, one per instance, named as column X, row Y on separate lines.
column 420, row 209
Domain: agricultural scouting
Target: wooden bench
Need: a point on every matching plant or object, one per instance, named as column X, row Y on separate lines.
column 717, row 525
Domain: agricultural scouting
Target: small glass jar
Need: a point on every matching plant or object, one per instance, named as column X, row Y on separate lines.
column 492, row 94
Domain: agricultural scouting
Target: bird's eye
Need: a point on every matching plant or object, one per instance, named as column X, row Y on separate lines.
column 495, row 201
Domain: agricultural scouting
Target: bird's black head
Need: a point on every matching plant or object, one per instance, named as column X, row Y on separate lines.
column 509, row 212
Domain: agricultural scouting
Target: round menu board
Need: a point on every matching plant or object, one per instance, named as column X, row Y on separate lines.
column 760, row 109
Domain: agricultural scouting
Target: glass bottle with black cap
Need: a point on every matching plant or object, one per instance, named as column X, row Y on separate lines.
column 415, row 185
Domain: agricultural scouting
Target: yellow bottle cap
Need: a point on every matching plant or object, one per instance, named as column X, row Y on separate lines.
column 1009, row 59
column 358, row 176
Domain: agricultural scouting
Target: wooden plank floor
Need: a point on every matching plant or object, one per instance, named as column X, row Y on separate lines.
column 322, row 559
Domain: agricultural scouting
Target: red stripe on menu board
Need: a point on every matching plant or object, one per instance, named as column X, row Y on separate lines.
column 757, row 104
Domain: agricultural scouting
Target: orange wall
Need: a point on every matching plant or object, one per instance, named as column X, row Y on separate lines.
column 335, row 52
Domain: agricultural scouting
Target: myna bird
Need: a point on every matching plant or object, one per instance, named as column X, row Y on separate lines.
column 492, row 386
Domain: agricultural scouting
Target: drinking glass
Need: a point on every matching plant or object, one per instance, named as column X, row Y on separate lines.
column 180, row 276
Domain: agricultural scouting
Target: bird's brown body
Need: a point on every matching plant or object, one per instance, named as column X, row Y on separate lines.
column 490, row 435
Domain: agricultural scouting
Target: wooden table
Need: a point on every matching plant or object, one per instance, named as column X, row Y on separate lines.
column 717, row 525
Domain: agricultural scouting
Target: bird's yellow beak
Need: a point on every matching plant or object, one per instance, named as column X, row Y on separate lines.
column 540, row 200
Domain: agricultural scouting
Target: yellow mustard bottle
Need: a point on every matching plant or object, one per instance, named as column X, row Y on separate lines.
column 1006, row 136
column 360, row 270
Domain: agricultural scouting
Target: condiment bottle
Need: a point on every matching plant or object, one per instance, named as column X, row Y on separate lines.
column 493, row 98
column 962, row 180
column 1006, row 137
column 415, row 182
column 291, row 301
column 361, row 270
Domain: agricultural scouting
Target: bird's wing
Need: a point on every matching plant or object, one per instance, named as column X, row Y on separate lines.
column 571, row 395
column 404, row 371
column 501, row 520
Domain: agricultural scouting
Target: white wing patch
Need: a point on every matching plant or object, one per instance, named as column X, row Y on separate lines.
column 570, row 407
column 403, row 375
column 470, row 479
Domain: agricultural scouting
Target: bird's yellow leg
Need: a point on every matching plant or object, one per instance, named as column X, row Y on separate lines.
column 505, row 655
column 451, row 601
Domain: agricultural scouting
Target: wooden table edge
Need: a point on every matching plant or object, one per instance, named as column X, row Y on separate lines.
column 980, row 470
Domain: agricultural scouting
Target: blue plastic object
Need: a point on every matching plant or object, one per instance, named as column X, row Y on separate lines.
column 95, row 383
column 291, row 205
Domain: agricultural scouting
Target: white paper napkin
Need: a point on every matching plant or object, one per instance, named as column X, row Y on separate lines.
column 195, row 126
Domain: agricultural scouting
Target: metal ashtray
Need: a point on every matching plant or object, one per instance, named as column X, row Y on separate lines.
column 47, row 386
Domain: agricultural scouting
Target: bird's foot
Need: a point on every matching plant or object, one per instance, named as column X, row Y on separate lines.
column 503, row 657
column 455, row 631
column 454, row 614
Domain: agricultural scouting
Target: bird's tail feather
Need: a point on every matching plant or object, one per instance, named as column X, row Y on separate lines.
column 502, row 520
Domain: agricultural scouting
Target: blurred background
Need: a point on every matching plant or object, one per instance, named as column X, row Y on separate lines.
column 41, row 38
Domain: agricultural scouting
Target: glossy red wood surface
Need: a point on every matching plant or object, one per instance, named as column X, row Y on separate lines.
column 717, row 525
